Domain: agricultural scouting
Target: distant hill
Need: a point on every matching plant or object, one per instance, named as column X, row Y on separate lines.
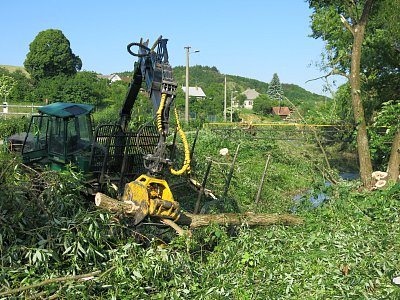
column 13, row 69
column 212, row 83
column 205, row 77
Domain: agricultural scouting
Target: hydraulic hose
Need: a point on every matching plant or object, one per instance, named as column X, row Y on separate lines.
column 160, row 111
column 186, row 162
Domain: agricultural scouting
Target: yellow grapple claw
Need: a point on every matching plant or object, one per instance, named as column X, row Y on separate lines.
column 154, row 198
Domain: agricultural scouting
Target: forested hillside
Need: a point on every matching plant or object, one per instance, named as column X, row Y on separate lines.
column 85, row 87
column 209, row 78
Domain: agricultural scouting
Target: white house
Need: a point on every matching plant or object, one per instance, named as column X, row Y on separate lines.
column 250, row 94
column 195, row 91
column 113, row 77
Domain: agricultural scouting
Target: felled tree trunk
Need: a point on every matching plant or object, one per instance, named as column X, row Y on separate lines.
column 194, row 221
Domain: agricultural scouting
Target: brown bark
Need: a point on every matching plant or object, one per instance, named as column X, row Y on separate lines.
column 248, row 218
column 364, row 157
column 194, row 220
column 394, row 160
column 114, row 205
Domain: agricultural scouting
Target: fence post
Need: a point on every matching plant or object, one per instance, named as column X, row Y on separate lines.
column 262, row 179
column 5, row 107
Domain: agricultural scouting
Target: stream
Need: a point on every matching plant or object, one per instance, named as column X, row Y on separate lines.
column 317, row 200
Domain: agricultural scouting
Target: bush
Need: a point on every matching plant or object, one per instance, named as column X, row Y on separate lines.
column 11, row 126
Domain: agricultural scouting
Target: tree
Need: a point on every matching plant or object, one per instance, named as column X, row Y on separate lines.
column 344, row 55
column 275, row 90
column 263, row 104
column 240, row 99
column 388, row 117
column 50, row 55
column 84, row 87
column 7, row 83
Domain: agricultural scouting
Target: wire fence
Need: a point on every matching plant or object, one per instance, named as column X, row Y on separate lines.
column 290, row 131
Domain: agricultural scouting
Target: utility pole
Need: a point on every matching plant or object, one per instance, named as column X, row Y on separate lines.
column 187, row 82
column 232, row 104
column 187, row 86
column 225, row 101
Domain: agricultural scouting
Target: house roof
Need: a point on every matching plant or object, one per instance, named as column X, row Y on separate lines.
column 251, row 94
column 113, row 77
column 281, row 111
column 65, row 110
column 194, row 91
column 125, row 78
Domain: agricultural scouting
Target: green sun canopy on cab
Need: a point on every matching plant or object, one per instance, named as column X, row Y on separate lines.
column 65, row 110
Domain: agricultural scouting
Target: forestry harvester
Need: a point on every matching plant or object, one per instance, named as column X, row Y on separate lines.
column 62, row 134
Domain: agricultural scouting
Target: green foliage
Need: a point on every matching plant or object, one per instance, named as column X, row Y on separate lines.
column 286, row 162
column 380, row 56
column 346, row 248
column 306, row 102
column 240, row 99
column 84, row 87
column 142, row 111
column 23, row 85
column 7, row 84
column 387, row 122
column 212, row 82
column 11, row 126
column 50, row 55
column 263, row 104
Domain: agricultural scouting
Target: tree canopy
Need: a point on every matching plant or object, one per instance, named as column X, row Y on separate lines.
column 380, row 57
column 50, row 55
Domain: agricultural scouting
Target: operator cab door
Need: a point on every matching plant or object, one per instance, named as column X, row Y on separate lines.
column 35, row 143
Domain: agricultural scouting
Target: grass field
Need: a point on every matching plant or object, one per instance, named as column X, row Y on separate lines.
column 12, row 69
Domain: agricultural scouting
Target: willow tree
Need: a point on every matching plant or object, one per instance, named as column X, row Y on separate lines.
column 343, row 25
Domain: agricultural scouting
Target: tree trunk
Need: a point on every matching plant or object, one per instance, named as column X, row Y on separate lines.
column 249, row 218
column 394, row 160
column 364, row 157
column 194, row 221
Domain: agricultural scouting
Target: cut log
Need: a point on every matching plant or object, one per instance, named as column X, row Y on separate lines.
column 249, row 218
column 194, row 221
column 115, row 205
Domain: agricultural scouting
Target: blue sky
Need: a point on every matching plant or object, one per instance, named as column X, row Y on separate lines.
column 253, row 38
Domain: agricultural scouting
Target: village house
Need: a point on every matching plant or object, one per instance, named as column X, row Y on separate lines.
column 196, row 92
column 114, row 77
column 250, row 94
column 282, row 111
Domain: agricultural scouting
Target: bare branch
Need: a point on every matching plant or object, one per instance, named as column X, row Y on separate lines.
column 333, row 72
column 49, row 281
column 346, row 24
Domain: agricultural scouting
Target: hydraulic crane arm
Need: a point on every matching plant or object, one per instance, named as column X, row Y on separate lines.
column 151, row 192
column 152, row 67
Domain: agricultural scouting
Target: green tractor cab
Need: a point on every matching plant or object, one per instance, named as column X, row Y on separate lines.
column 59, row 135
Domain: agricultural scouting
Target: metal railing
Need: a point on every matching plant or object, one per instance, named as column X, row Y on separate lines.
column 7, row 107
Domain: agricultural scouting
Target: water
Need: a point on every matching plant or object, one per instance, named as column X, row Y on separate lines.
column 320, row 198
